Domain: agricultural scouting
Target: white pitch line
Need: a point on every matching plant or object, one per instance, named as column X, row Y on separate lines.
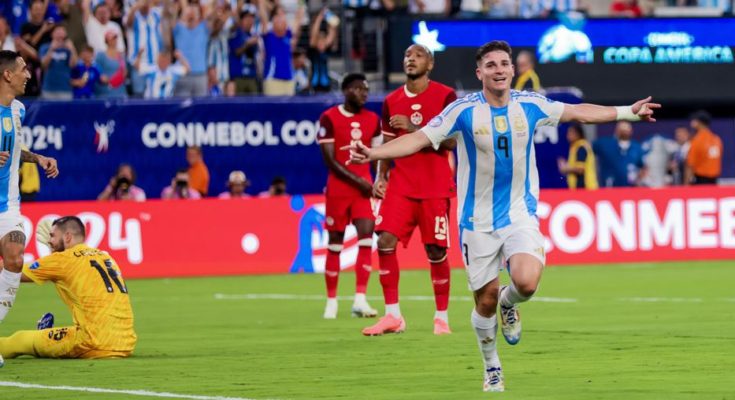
column 146, row 393
column 284, row 296
column 662, row 299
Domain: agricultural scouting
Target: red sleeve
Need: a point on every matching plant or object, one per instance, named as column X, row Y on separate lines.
column 451, row 96
column 385, row 125
column 326, row 129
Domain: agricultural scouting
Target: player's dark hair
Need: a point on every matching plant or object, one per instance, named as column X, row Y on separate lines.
column 347, row 81
column 495, row 45
column 8, row 59
column 702, row 116
column 72, row 224
column 577, row 128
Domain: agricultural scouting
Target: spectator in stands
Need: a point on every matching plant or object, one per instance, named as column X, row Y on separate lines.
column 8, row 41
column 279, row 41
column 243, row 49
column 236, row 186
column 580, row 167
column 659, row 151
column 301, row 71
column 277, row 188
column 230, row 89
column 553, row 8
column 116, row 10
column 161, row 77
column 37, row 31
column 57, row 59
column 179, row 188
column 473, row 8
column 111, row 64
column 218, row 68
column 723, row 5
column 15, row 13
column 704, row 159
column 679, row 161
column 143, row 23
column 435, row 7
column 319, row 44
column 29, row 179
column 85, row 75
column 527, row 8
column 620, row 158
column 97, row 26
column 122, row 186
column 198, row 171
column 625, row 8
column 525, row 68
column 73, row 15
column 191, row 36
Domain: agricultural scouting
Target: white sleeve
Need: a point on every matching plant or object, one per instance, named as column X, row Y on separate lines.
column 178, row 69
column 550, row 110
column 448, row 123
column 376, row 141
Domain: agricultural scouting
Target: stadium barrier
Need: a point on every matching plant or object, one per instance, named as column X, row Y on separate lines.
column 282, row 235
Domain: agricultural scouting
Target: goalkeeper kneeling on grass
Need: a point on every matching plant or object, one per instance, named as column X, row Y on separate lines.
column 89, row 282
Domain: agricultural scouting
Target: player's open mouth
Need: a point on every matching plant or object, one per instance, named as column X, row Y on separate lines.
column 501, row 79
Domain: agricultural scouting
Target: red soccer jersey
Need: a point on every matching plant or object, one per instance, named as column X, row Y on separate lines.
column 426, row 174
column 341, row 127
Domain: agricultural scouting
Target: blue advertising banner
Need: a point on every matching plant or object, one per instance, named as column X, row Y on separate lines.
column 263, row 137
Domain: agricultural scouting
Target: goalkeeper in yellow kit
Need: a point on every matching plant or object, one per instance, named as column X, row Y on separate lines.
column 89, row 282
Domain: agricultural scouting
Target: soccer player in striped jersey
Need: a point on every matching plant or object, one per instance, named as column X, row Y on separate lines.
column 498, row 187
column 13, row 78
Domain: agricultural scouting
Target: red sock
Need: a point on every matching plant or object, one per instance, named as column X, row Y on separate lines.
column 363, row 266
column 331, row 273
column 389, row 275
column 440, row 280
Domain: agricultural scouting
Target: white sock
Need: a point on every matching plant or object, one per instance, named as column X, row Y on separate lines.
column 510, row 297
column 393, row 309
column 9, row 284
column 360, row 298
column 485, row 329
column 442, row 315
column 331, row 302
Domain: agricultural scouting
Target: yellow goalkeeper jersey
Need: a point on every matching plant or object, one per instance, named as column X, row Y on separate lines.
column 90, row 283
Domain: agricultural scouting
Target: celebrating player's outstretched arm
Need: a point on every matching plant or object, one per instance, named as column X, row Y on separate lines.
column 47, row 163
column 641, row 110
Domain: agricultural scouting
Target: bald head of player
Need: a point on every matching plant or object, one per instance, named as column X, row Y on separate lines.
column 418, row 61
column 13, row 76
column 66, row 232
column 495, row 68
column 355, row 88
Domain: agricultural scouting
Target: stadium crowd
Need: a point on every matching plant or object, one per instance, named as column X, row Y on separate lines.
column 163, row 48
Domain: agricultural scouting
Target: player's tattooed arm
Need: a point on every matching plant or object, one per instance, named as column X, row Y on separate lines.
column 47, row 163
column 27, row 156
column 17, row 237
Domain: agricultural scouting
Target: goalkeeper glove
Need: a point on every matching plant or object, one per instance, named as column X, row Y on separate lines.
column 43, row 232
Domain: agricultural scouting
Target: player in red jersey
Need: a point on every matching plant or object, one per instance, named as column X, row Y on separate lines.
column 420, row 188
column 349, row 189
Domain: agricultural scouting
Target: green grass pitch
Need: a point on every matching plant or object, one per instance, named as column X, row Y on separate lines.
column 635, row 331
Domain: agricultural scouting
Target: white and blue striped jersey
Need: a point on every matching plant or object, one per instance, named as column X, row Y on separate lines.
column 160, row 84
column 497, row 178
column 146, row 34
column 10, row 124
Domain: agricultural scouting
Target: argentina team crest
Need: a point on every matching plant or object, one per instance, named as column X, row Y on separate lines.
column 501, row 124
column 7, row 124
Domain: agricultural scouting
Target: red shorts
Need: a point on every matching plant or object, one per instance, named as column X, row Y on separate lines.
column 340, row 211
column 399, row 215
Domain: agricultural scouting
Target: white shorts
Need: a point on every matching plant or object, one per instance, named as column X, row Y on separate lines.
column 9, row 223
column 483, row 252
